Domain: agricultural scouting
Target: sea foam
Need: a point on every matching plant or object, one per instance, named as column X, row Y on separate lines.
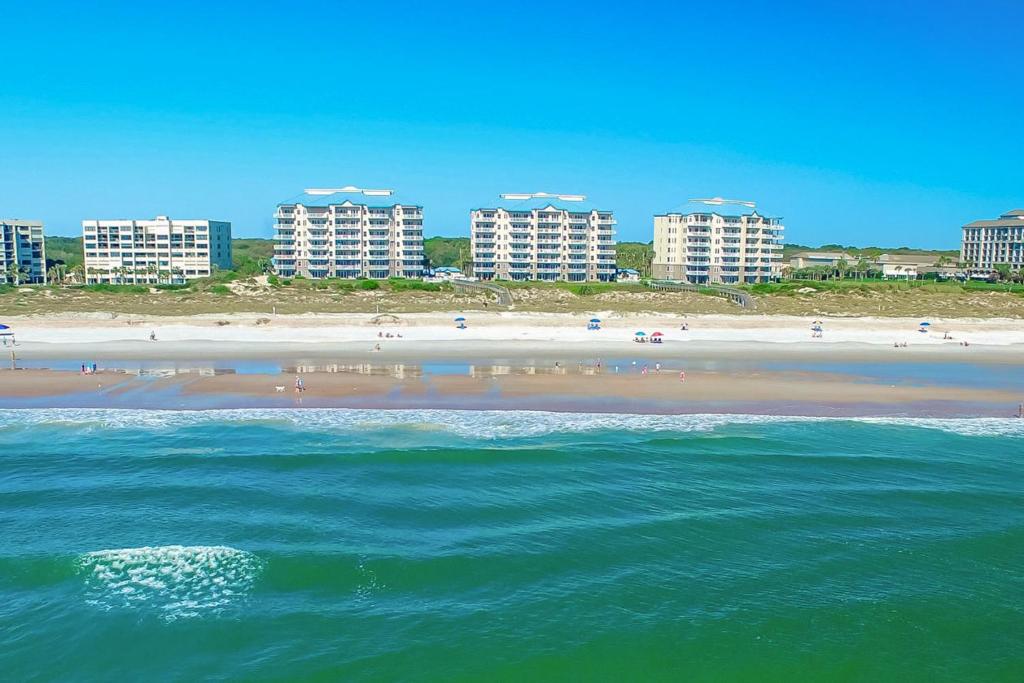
column 476, row 424
column 175, row 581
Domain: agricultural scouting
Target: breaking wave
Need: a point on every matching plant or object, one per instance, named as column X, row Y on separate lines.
column 177, row 582
column 479, row 424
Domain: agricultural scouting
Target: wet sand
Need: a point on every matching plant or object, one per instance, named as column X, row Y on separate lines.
column 784, row 393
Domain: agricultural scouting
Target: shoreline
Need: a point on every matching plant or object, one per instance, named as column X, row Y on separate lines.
column 629, row 391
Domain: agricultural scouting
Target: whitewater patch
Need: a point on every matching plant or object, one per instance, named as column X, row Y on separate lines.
column 470, row 424
column 174, row 581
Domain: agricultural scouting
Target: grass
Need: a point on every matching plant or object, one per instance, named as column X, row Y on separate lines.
column 227, row 292
column 117, row 289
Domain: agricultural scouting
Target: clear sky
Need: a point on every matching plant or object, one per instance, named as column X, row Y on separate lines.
column 888, row 123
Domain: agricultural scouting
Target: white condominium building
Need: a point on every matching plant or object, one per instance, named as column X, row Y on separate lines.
column 22, row 252
column 348, row 232
column 720, row 241
column 543, row 236
column 987, row 244
column 154, row 251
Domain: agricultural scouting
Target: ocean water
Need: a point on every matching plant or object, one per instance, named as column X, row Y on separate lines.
column 331, row 545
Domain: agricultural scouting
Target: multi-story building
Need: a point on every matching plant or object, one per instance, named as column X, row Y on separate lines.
column 987, row 244
column 718, row 241
column 22, row 252
column 348, row 232
column 154, row 251
column 543, row 236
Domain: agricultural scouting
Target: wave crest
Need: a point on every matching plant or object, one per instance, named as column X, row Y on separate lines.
column 477, row 424
column 176, row 581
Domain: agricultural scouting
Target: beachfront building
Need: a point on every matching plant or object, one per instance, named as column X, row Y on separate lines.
column 820, row 259
column 543, row 236
column 990, row 243
column 161, row 250
column 719, row 241
column 348, row 232
column 22, row 252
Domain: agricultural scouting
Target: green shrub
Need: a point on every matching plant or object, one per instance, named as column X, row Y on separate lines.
column 170, row 287
column 369, row 284
column 404, row 285
column 220, row 290
column 116, row 289
column 286, row 282
column 274, row 281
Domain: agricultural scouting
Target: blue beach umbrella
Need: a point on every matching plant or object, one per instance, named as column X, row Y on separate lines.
column 4, row 327
column 640, row 334
column 925, row 324
column 460, row 319
column 595, row 320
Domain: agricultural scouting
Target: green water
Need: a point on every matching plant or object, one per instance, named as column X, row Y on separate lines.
column 415, row 545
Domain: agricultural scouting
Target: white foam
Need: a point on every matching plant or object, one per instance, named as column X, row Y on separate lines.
column 476, row 424
column 176, row 581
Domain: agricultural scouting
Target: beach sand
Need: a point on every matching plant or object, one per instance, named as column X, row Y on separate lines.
column 87, row 337
column 630, row 390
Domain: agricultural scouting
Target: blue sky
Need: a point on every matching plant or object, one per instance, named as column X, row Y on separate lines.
column 861, row 123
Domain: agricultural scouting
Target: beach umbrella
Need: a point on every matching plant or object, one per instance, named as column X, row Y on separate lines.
column 4, row 327
column 657, row 334
column 460, row 319
column 640, row 334
column 595, row 320
column 925, row 324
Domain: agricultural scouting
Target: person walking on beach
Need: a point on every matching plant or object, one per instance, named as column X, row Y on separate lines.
column 657, row 367
column 643, row 370
column 682, row 375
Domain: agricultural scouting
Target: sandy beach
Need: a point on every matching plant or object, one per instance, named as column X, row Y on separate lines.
column 751, row 364
column 423, row 336
column 630, row 389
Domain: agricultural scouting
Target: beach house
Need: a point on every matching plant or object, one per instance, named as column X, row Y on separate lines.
column 348, row 232
column 161, row 250
column 543, row 236
column 717, row 240
column 22, row 252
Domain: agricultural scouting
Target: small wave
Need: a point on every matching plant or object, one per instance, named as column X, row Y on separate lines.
column 478, row 424
column 177, row 582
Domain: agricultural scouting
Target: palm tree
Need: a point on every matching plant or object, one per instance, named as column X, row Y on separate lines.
column 15, row 273
column 177, row 272
column 78, row 272
column 57, row 273
column 863, row 266
column 1004, row 271
column 151, row 271
column 842, row 267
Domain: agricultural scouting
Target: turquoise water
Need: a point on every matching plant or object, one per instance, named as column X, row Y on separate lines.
column 416, row 545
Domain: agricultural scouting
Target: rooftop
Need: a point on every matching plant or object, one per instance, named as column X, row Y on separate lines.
column 825, row 255
column 1010, row 219
column 529, row 201
column 732, row 208
column 329, row 196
